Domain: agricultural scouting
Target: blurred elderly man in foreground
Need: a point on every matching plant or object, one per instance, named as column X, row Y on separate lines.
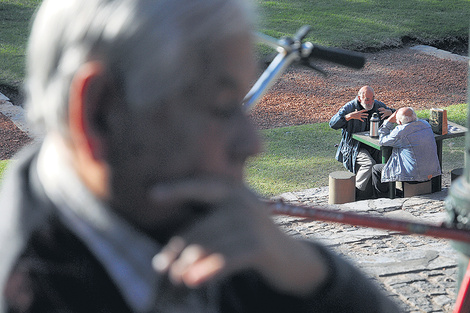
column 135, row 201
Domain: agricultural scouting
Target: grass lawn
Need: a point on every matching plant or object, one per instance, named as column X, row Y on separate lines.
column 358, row 24
column 352, row 24
column 3, row 165
column 15, row 18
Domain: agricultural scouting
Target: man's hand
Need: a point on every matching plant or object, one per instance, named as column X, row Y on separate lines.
column 357, row 115
column 393, row 117
column 384, row 113
column 236, row 233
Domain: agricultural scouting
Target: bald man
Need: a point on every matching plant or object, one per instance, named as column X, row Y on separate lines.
column 356, row 157
column 414, row 155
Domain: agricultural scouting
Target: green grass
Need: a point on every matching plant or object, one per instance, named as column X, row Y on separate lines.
column 15, row 16
column 352, row 24
column 356, row 24
column 3, row 166
column 295, row 158
column 301, row 157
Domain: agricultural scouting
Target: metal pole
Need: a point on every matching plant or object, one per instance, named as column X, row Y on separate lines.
column 458, row 208
column 350, row 218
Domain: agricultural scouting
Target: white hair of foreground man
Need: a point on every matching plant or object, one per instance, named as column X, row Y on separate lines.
column 151, row 48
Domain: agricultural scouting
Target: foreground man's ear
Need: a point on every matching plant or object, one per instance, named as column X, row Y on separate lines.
column 88, row 100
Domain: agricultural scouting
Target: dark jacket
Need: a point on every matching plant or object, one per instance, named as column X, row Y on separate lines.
column 349, row 147
column 46, row 268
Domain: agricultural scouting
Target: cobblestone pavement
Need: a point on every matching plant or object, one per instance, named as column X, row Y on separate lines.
column 419, row 272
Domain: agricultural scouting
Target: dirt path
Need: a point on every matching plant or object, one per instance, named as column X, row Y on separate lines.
column 400, row 77
column 11, row 138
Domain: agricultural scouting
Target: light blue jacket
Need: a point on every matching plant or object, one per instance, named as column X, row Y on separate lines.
column 414, row 154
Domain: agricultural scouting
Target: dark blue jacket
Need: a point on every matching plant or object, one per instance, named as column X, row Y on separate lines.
column 348, row 147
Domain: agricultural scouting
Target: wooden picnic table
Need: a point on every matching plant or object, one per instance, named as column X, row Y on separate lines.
column 453, row 130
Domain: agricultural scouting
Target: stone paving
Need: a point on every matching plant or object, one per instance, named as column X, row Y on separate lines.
column 419, row 272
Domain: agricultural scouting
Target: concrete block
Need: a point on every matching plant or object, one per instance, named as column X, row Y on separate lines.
column 342, row 187
column 416, row 189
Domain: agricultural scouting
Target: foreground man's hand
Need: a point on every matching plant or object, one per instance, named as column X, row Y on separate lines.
column 237, row 233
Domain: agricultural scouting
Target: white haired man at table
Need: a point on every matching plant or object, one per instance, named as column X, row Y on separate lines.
column 414, row 154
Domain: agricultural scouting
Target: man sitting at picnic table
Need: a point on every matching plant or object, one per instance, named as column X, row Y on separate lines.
column 356, row 157
column 414, row 155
